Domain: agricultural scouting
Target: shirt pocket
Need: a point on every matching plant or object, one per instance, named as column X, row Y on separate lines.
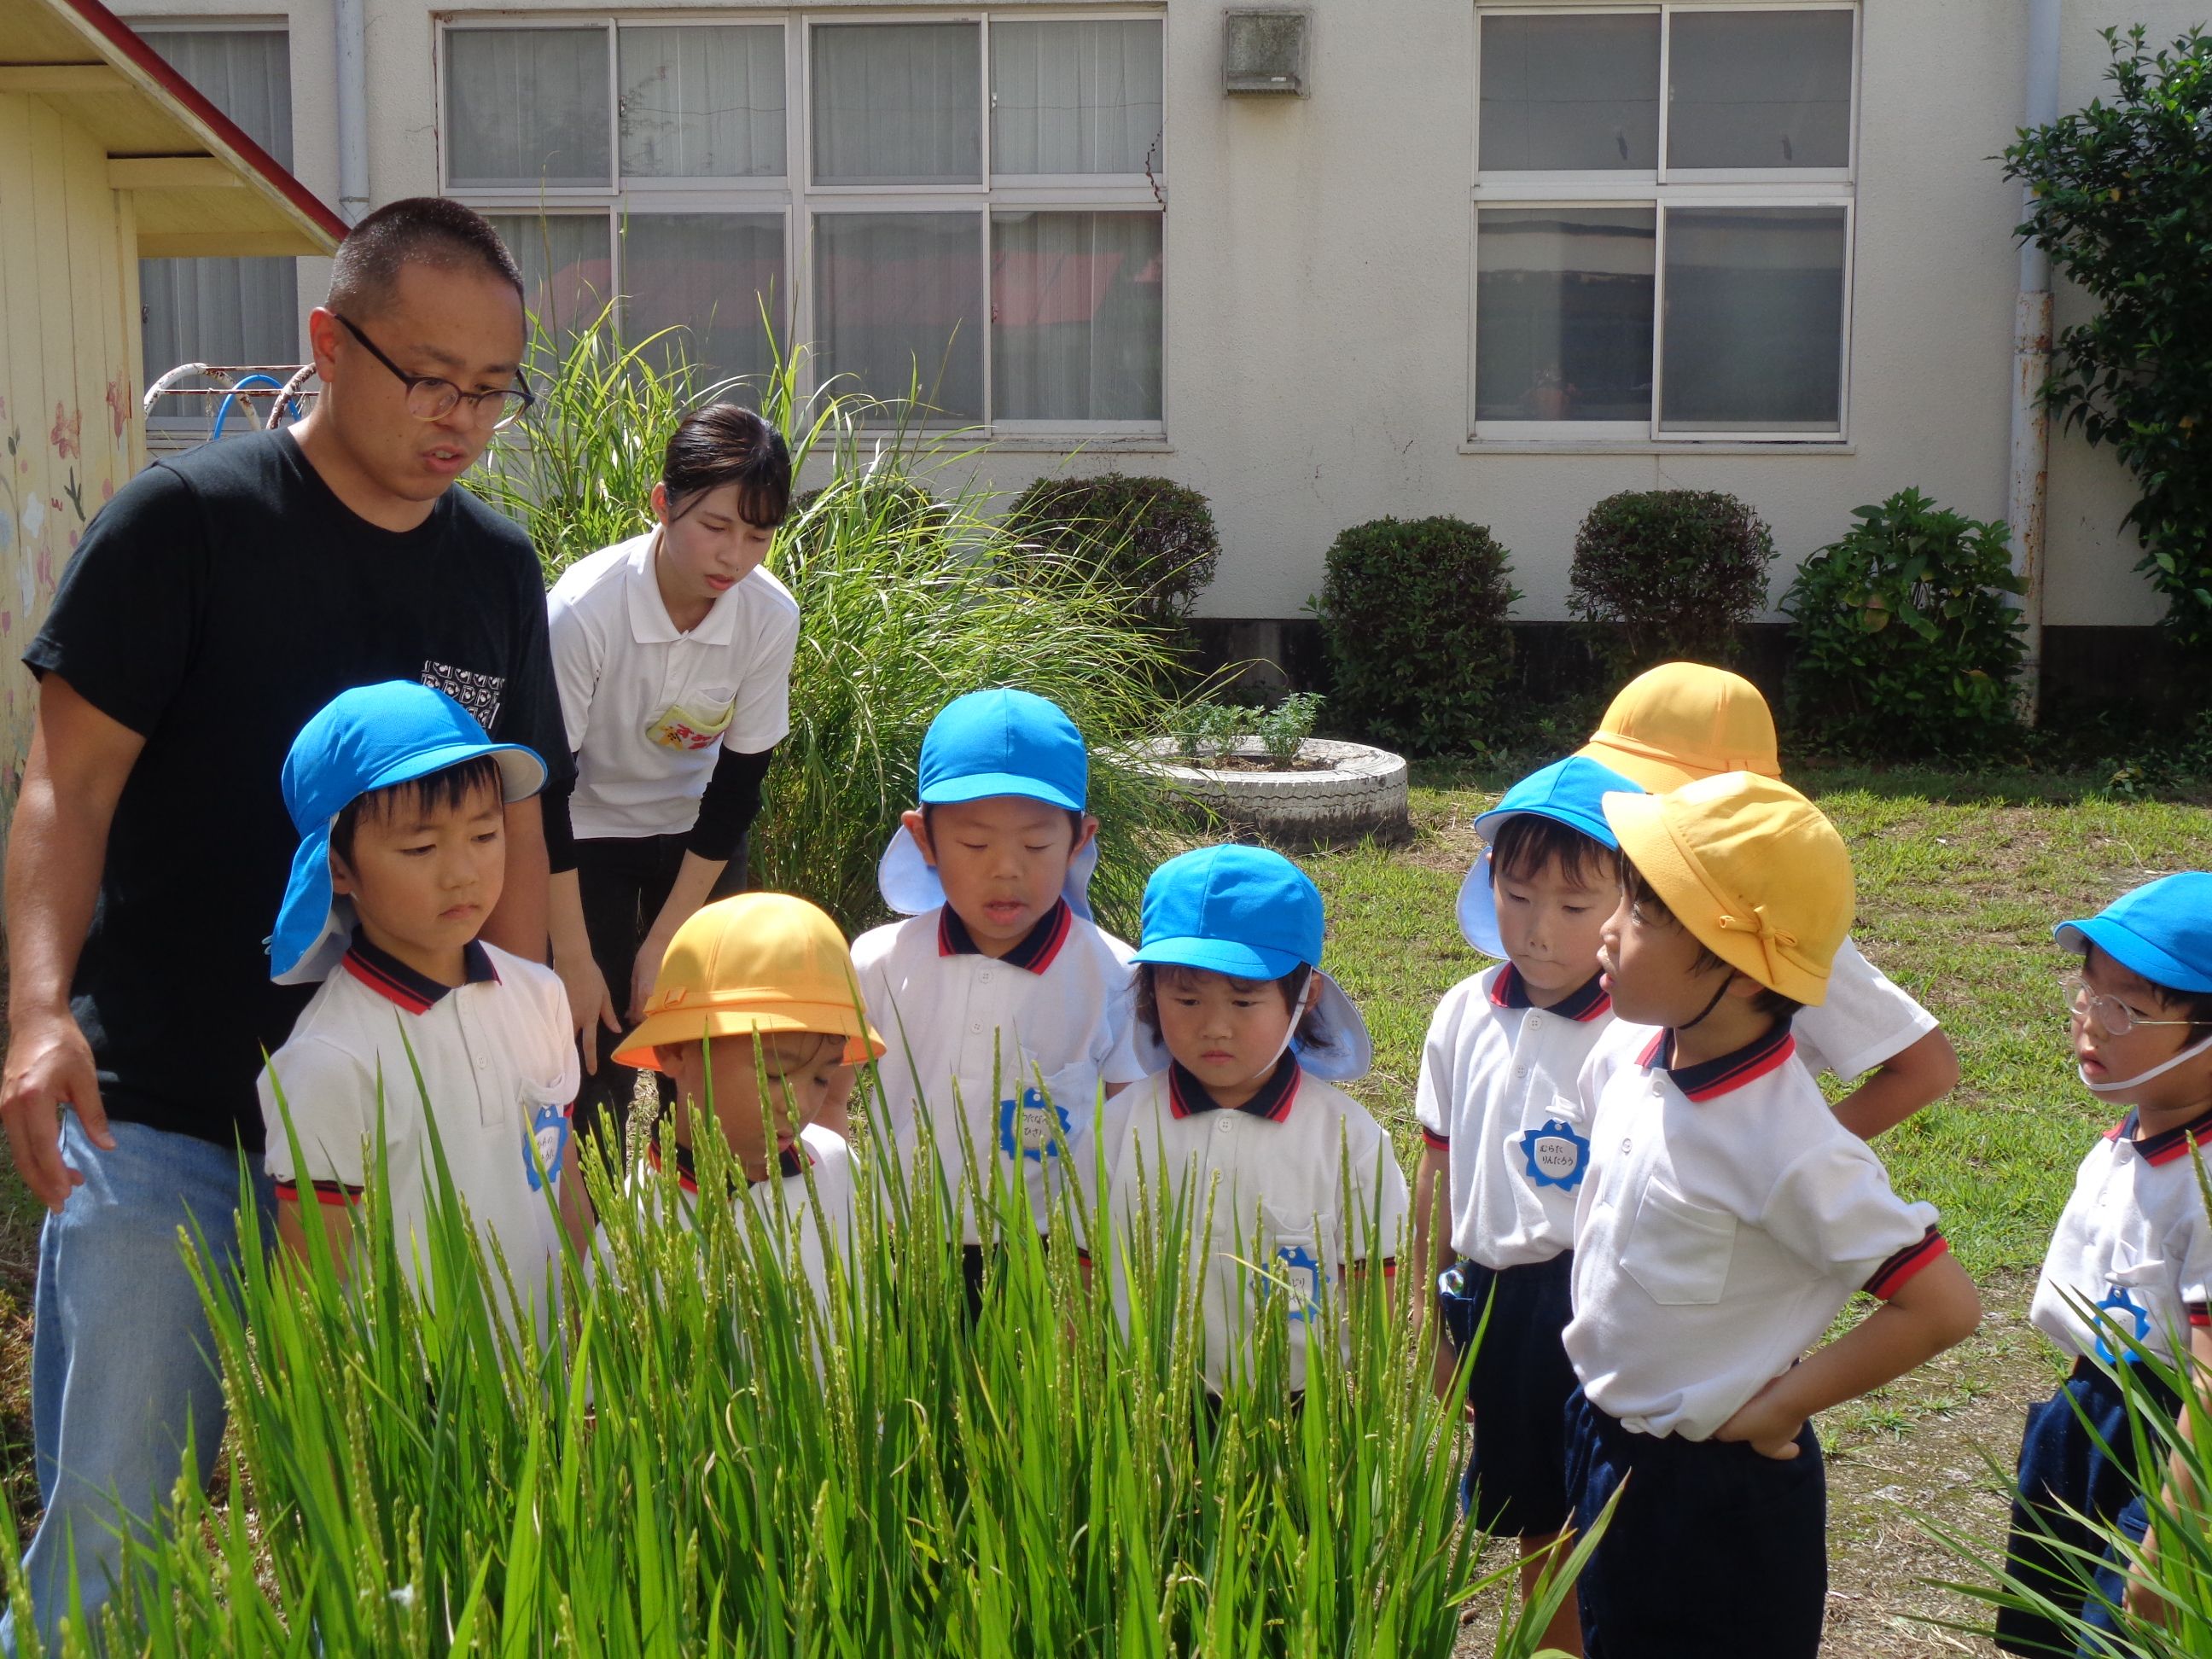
column 1679, row 1251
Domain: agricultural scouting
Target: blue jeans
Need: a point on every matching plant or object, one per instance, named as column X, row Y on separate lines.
column 122, row 1373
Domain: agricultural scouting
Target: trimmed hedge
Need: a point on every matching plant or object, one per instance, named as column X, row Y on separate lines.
column 1152, row 537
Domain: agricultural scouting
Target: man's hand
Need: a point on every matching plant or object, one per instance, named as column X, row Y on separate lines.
column 1767, row 1423
column 50, row 1065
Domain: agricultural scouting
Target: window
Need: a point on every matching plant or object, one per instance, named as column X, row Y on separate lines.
column 226, row 312
column 1662, row 223
column 961, row 209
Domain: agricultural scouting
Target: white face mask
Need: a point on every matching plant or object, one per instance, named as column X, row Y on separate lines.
column 2159, row 1070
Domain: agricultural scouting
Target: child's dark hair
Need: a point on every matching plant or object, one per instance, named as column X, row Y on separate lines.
column 1527, row 842
column 1646, row 898
column 723, row 444
column 929, row 820
column 434, row 792
column 1312, row 1030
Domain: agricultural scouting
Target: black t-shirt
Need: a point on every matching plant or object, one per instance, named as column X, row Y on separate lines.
column 215, row 604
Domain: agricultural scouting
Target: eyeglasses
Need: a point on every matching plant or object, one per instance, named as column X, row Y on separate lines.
column 429, row 399
column 2110, row 1014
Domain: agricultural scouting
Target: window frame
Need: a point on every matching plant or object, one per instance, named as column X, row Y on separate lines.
column 1659, row 189
column 804, row 204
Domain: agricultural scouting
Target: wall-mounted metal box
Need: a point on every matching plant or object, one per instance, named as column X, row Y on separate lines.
column 1264, row 49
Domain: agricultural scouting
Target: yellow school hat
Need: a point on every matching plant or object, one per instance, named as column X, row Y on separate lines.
column 1682, row 720
column 753, row 964
column 1752, row 868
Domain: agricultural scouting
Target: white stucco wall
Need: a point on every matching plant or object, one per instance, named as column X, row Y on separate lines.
column 1318, row 255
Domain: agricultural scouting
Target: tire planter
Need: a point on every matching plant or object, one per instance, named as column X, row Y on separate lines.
column 1362, row 792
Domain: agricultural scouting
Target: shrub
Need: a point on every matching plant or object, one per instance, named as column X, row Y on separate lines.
column 2123, row 204
column 1414, row 613
column 1904, row 644
column 1284, row 729
column 1664, row 573
column 1152, row 537
column 1202, row 732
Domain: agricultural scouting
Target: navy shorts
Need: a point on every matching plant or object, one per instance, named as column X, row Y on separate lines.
column 1517, row 1480
column 2063, row 1465
column 1713, row 1548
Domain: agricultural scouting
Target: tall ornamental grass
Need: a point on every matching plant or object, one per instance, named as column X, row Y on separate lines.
column 708, row 1461
column 910, row 592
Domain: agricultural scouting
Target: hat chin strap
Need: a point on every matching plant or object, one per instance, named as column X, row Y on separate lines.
column 1710, row 1006
column 1307, row 997
column 2160, row 1070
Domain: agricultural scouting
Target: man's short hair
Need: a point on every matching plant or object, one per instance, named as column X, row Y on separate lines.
column 426, row 230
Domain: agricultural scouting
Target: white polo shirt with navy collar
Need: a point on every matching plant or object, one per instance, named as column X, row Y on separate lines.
column 646, row 705
column 1300, row 1171
column 499, row 1076
column 1497, row 1095
column 2132, row 1255
column 1727, row 1220
column 1016, row 1048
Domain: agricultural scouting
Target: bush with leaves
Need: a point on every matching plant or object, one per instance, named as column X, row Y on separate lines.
column 1665, row 574
column 1152, row 537
column 1415, row 612
column 2123, row 204
column 1905, row 642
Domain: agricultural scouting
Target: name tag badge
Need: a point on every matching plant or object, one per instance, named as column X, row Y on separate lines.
column 1297, row 1273
column 543, row 1148
column 1032, row 1126
column 1556, row 1155
column 2120, row 1317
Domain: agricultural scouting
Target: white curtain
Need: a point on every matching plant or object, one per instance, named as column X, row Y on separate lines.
column 567, row 270
column 527, row 109
column 711, row 275
column 1075, row 303
column 226, row 312
column 898, row 104
column 1753, row 320
column 1760, row 89
column 1076, row 97
column 1572, row 92
column 899, row 303
column 703, row 102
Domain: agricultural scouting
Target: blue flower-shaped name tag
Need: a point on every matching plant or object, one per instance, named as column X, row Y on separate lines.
column 2127, row 1317
column 548, row 1139
column 1556, row 1155
column 1027, row 1126
column 1297, row 1276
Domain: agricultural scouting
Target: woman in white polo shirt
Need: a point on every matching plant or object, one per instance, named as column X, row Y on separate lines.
column 672, row 651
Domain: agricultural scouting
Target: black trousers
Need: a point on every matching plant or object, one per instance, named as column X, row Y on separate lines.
column 623, row 884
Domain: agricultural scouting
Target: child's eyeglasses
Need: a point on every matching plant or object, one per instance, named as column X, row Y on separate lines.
column 2111, row 1015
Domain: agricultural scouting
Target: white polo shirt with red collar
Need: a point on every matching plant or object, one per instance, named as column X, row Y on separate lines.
column 1726, row 1220
column 499, row 1076
column 1301, row 1173
column 1014, row 1048
column 1499, row 1096
column 2132, row 1255
column 1867, row 1019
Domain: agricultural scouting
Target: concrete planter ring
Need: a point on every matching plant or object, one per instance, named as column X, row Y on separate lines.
column 1356, row 791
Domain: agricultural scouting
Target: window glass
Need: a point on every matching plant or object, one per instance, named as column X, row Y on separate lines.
column 1076, row 97
column 703, row 102
column 527, row 109
column 898, row 104
column 1760, row 89
column 713, row 276
column 1755, row 320
column 1075, row 316
column 1563, row 313
column 568, row 273
column 1572, row 93
column 898, row 301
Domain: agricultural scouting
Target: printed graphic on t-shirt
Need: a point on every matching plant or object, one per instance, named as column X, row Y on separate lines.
column 1032, row 1128
column 2120, row 1317
column 543, row 1147
column 679, row 728
column 1555, row 1155
column 477, row 693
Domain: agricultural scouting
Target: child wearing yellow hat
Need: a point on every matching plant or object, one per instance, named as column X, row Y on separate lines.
column 756, row 1017
column 1726, row 1220
column 1684, row 720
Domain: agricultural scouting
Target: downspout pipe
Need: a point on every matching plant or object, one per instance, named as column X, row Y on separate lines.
column 350, row 20
column 2026, row 499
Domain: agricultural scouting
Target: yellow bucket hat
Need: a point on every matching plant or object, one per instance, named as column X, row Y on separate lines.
column 1749, row 866
column 753, row 964
column 1682, row 720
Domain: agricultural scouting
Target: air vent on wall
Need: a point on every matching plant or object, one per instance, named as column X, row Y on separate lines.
column 1264, row 50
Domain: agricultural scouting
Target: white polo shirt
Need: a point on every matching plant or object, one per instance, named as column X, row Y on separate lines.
column 1498, row 1096
column 499, row 1071
column 1867, row 1019
column 647, row 707
column 2133, row 1247
column 1277, row 1170
column 970, row 1036
column 1727, row 1220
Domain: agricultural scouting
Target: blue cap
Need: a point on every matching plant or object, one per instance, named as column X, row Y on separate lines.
column 2162, row 931
column 1567, row 792
column 1004, row 743
column 1242, row 911
column 368, row 738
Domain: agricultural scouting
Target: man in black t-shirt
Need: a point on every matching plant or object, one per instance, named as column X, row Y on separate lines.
column 216, row 603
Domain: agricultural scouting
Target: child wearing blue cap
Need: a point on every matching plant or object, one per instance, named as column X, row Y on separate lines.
column 1005, row 1008
column 2129, row 1269
column 398, row 797
column 1506, row 1143
column 1250, row 1038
